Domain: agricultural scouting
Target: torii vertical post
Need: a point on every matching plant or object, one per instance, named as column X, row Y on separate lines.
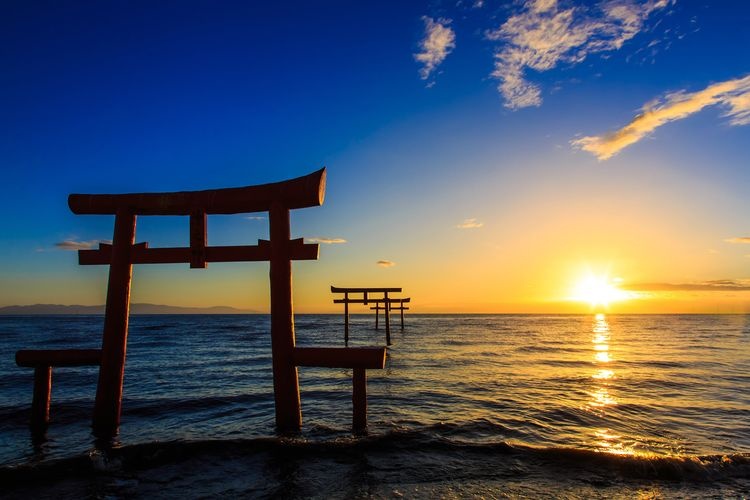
column 108, row 403
column 387, row 312
column 285, row 377
column 346, row 318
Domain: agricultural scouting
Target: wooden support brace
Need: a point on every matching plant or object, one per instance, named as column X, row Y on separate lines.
column 142, row 254
column 198, row 240
column 42, row 361
column 340, row 357
column 357, row 358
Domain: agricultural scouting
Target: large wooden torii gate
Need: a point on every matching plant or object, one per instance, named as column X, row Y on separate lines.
column 275, row 198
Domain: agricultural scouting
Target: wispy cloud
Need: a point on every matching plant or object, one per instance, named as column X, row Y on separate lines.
column 470, row 224
column 732, row 94
column 79, row 245
column 544, row 35
column 326, row 241
column 439, row 40
column 385, row 263
column 703, row 286
column 255, row 217
column 739, row 239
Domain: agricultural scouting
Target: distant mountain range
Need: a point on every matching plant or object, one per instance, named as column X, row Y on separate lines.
column 134, row 309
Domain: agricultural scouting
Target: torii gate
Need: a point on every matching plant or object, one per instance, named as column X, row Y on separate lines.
column 275, row 198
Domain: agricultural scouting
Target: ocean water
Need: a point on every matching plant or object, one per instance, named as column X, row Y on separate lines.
column 468, row 405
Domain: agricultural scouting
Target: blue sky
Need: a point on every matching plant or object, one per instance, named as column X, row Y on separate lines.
column 489, row 150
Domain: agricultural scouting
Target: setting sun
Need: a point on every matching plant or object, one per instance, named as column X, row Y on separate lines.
column 598, row 291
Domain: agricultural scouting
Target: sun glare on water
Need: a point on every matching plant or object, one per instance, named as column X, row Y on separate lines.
column 598, row 291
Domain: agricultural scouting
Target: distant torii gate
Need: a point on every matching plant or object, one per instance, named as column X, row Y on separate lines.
column 277, row 199
column 391, row 307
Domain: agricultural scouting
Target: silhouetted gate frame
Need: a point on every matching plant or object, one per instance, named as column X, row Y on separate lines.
column 278, row 199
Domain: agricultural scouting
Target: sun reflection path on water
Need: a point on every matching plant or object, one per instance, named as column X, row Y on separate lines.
column 601, row 397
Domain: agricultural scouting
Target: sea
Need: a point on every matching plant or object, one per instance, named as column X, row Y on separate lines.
column 468, row 406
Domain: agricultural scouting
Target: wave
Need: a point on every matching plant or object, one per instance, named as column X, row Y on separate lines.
column 439, row 443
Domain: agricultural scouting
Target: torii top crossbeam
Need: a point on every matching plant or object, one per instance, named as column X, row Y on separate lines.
column 302, row 192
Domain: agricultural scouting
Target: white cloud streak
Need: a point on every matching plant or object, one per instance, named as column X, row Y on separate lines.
column 739, row 239
column 326, row 241
column 734, row 95
column 544, row 35
column 79, row 245
column 737, row 285
column 439, row 40
column 385, row 263
column 470, row 224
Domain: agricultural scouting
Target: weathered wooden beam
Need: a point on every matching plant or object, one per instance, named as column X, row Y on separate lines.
column 198, row 239
column 58, row 357
column 363, row 301
column 340, row 357
column 305, row 191
column 142, row 254
column 338, row 289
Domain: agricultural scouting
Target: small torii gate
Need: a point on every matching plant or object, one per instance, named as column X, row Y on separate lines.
column 366, row 299
column 391, row 307
column 275, row 198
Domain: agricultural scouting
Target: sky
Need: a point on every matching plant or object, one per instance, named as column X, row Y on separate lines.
column 509, row 156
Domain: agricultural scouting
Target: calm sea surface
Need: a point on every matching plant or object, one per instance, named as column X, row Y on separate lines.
column 467, row 405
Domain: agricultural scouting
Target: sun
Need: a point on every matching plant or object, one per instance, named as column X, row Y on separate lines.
column 598, row 290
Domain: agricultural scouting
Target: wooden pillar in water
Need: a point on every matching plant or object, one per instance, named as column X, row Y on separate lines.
column 285, row 377
column 359, row 400
column 346, row 319
column 108, row 403
column 387, row 312
column 402, row 314
column 377, row 314
column 41, row 398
